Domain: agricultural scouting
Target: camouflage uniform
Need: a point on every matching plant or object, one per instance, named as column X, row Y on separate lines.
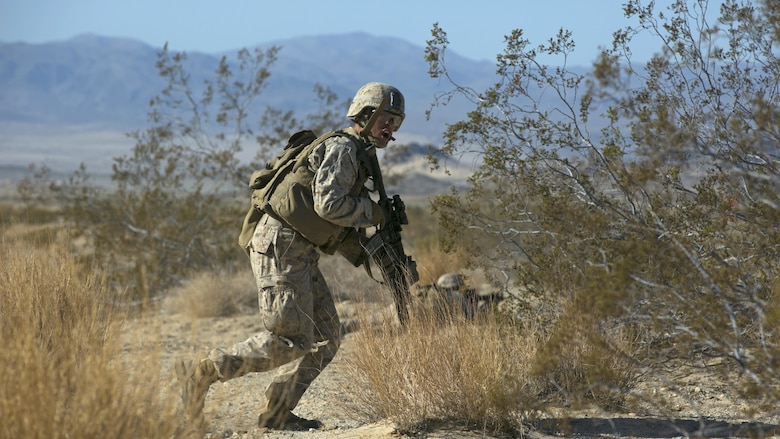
column 301, row 335
column 296, row 305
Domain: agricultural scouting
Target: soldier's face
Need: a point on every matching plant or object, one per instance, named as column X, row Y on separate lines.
column 384, row 128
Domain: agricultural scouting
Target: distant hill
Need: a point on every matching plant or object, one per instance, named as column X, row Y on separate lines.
column 84, row 80
column 93, row 79
column 70, row 101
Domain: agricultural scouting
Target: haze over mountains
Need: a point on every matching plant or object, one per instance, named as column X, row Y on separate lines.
column 70, row 101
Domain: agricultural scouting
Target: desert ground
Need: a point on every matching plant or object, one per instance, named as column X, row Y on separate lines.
column 701, row 408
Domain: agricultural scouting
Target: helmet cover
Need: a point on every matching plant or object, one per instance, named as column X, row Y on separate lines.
column 371, row 95
column 450, row 281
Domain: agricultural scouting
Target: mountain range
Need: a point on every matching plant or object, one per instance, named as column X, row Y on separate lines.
column 73, row 100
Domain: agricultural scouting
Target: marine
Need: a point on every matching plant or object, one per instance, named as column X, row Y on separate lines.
column 296, row 307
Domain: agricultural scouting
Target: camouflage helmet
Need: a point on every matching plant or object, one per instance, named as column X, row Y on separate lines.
column 449, row 281
column 371, row 95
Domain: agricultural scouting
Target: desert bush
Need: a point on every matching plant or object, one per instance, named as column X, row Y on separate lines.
column 444, row 367
column 493, row 372
column 176, row 201
column 35, row 225
column 61, row 355
column 12, row 213
column 584, row 362
column 643, row 194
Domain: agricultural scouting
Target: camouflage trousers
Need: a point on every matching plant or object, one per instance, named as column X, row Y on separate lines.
column 297, row 311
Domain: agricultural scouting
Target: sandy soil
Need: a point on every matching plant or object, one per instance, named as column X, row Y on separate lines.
column 232, row 407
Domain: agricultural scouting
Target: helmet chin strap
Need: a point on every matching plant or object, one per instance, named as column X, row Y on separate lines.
column 366, row 131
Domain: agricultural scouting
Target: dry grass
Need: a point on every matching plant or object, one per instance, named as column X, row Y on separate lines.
column 433, row 261
column 492, row 373
column 348, row 283
column 69, row 378
column 210, row 294
column 59, row 359
column 585, row 363
column 422, row 238
column 444, row 368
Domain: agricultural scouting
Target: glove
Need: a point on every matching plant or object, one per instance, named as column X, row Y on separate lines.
column 378, row 215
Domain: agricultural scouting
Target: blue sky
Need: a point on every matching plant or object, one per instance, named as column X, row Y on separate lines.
column 475, row 29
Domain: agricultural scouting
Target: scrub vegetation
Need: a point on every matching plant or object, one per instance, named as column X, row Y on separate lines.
column 629, row 216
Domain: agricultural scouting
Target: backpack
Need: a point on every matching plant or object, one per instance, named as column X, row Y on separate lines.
column 282, row 189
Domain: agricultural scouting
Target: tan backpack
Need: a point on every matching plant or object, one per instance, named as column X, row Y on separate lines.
column 283, row 190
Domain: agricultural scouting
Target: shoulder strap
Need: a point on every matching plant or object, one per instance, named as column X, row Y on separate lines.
column 304, row 155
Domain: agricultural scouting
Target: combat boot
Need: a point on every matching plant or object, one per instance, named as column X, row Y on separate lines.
column 195, row 382
column 287, row 420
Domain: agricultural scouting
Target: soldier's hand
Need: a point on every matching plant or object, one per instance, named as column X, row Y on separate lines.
column 378, row 216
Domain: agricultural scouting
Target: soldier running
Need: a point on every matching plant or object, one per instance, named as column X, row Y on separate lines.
column 296, row 305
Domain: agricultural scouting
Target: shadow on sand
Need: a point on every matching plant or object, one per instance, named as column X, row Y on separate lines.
column 655, row 428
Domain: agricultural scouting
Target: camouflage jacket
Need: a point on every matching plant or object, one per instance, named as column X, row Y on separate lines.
column 338, row 186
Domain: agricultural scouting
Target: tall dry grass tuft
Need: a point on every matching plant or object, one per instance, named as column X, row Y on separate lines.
column 433, row 261
column 61, row 362
column 444, row 367
column 214, row 294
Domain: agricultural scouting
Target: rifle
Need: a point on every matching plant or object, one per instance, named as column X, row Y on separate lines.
column 385, row 248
